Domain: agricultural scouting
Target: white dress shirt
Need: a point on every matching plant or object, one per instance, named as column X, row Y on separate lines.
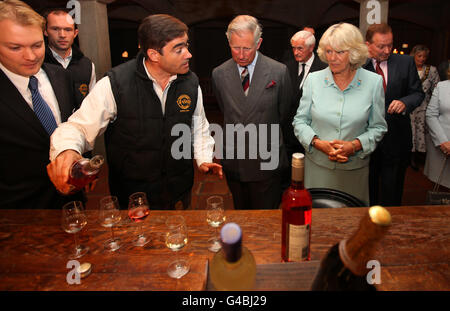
column 99, row 109
column 250, row 68
column 44, row 87
column 308, row 65
column 66, row 61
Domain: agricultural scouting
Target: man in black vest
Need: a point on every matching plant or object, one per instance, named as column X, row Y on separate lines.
column 146, row 107
column 61, row 31
column 36, row 97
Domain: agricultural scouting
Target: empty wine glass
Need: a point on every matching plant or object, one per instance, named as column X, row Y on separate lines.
column 73, row 220
column 215, row 216
column 138, row 210
column 176, row 239
column 109, row 216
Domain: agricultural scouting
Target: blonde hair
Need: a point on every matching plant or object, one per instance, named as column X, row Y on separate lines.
column 344, row 37
column 20, row 13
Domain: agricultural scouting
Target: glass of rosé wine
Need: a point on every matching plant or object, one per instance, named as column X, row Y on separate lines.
column 138, row 210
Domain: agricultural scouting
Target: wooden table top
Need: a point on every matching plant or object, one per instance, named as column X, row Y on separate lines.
column 414, row 255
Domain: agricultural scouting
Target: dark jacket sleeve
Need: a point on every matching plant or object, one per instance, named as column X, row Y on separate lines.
column 415, row 94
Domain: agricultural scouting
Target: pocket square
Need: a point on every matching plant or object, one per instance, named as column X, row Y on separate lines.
column 271, row 83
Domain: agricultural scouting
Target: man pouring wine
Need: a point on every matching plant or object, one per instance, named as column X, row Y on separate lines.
column 136, row 105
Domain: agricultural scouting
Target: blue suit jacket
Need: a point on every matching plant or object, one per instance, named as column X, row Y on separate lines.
column 403, row 84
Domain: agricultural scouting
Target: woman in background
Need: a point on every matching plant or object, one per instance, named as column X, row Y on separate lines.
column 430, row 77
column 340, row 119
column 438, row 136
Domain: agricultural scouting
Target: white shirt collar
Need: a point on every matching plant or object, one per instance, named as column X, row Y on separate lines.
column 58, row 57
column 308, row 63
column 20, row 82
column 172, row 78
column 250, row 67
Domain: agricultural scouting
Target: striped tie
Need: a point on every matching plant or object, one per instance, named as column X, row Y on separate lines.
column 40, row 107
column 245, row 77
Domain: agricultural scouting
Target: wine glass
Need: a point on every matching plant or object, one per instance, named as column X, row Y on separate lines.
column 215, row 217
column 73, row 220
column 176, row 239
column 109, row 216
column 138, row 210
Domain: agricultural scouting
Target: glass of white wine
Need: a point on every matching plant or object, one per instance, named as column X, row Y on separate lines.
column 176, row 239
column 73, row 220
column 109, row 216
column 215, row 216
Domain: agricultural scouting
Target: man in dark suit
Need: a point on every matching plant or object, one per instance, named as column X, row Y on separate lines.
column 303, row 60
column 403, row 93
column 35, row 99
column 254, row 94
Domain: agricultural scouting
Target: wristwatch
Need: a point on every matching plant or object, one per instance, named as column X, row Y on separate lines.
column 313, row 141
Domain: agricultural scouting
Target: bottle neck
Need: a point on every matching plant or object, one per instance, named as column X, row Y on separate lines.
column 360, row 247
column 94, row 164
column 297, row 178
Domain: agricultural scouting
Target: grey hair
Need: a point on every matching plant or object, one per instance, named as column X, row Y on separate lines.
column 245, row 23
column 309, row 38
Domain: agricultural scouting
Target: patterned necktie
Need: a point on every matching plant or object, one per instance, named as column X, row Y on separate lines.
column 380, row 72
column 245, row 77
column 302, row 74
column 40, row 107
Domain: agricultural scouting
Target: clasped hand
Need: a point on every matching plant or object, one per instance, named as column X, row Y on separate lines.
column 337, row 150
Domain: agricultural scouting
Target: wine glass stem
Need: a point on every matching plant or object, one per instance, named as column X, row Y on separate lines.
column 77, row 246
column 216, row 233
column 112, row 233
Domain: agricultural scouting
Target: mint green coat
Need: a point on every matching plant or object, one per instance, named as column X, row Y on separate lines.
column 329, row 113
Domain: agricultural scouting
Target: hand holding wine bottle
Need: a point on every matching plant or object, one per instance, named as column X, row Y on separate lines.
column 70, row 172
column 84, row 172
column 59, row 170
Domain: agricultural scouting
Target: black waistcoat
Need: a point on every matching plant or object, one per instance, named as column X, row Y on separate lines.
column 24, row 146
column 80, row 68
column 138, row 143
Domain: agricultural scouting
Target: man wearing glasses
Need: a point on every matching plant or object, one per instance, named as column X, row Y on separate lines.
column 254, row 94
column 137, row 105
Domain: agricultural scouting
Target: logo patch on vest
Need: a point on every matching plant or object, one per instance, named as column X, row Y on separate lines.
column 83, row 89
column 184, row 102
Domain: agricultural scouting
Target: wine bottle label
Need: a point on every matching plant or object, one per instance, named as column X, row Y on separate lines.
column 297, row 249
